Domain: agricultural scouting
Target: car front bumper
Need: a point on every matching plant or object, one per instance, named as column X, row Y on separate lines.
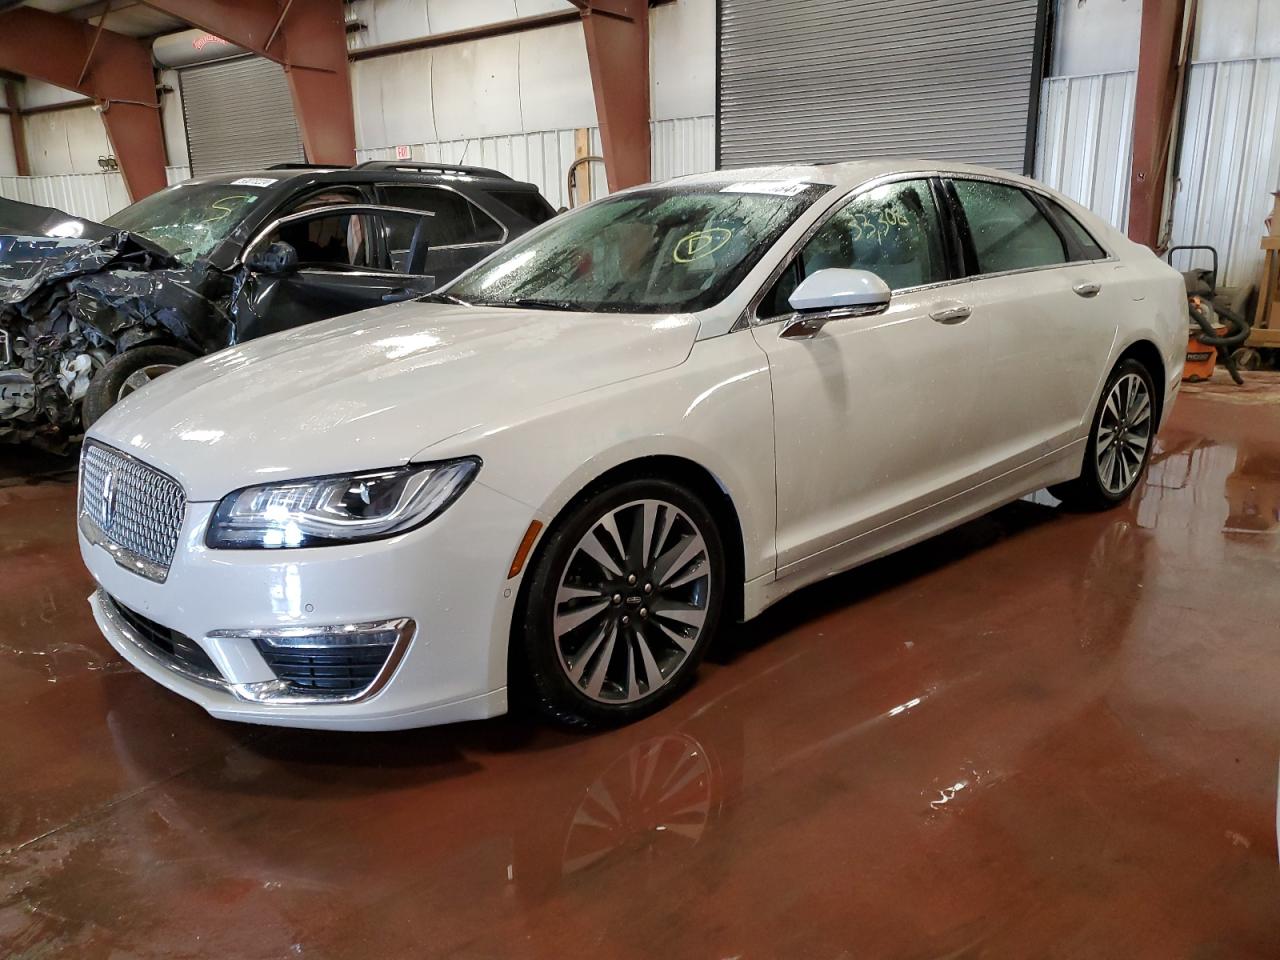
column 448, row 579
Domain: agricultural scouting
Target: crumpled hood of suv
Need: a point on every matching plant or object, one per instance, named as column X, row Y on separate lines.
column 373, row 389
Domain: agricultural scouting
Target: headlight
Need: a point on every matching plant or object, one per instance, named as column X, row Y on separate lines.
column 339, row 509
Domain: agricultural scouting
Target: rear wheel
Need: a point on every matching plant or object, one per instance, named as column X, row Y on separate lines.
column 623, row 598
column 1120, row 441
column 125, row 373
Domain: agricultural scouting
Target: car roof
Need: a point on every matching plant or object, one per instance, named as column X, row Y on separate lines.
column 846, row 174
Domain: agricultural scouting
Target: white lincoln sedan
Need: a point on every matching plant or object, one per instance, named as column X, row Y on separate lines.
column 566, row 471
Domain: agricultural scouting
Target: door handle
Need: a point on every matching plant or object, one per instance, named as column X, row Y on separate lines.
column 956, row 313
column 1087, row 288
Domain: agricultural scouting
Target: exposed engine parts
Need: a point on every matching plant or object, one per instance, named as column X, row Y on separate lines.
column 67, row 306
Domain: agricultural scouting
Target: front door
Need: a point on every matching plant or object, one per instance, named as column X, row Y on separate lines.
column 349, row 258
column 872, row 415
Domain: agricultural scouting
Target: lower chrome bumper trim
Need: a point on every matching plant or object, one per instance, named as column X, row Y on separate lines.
column 107, row 605
column 265, row 692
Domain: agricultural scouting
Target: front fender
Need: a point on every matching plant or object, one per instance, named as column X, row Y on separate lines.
column 714, row 410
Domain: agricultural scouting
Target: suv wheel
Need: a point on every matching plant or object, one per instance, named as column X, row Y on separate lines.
column 125, row 373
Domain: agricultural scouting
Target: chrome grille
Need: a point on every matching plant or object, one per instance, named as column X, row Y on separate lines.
column 134, row 506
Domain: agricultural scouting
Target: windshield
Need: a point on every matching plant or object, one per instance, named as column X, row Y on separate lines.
column 188, row 220
column 666, row 250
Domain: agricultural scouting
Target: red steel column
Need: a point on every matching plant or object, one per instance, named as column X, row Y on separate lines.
column 617, row 34
column 321, row 88
column 118, row 76
column 1157, row 90
column 309, row 39
column 16, row 130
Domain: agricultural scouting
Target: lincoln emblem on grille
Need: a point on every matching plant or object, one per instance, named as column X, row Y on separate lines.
column 108, row 499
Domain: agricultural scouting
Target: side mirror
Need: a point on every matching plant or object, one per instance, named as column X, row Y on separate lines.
column 274, row 258
column 836, row 288
column 831, row 293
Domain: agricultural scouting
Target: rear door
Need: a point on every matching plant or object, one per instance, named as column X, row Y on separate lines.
column 460, row 234
column 349, row 257
column 1043, row 295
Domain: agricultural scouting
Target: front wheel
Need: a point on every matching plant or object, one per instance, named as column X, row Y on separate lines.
column 126, row 372
column 622, row 600
column 1120, row 441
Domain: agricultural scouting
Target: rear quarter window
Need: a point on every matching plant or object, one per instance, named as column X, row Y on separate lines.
column 526, row 203
column 1086, row 248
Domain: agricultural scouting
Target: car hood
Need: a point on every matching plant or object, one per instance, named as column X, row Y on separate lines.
column 32, row 260
column 18, row 219
column 375, row 388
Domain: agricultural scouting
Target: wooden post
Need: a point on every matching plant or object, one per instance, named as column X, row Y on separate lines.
column 582, row 184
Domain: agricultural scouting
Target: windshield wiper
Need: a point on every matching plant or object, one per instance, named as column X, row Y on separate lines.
column 446, row 298
column 535, row 303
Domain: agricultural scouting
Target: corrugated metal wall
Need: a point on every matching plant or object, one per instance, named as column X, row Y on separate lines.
column 93, row 196
column 1228, row 167
column 683, row 146
column 1086, row 141
column 543, row 157
column 679, row 147
column 1230, row 162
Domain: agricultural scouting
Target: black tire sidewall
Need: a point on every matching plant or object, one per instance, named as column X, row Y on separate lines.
column 553, row 693
column 1090, row 476
column 104, row 388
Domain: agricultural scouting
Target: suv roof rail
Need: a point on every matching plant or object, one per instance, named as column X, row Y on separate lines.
column 426, row 167
column 292, row 165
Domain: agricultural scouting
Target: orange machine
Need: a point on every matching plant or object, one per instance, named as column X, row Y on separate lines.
column 1208, row 337
column 1201, row 357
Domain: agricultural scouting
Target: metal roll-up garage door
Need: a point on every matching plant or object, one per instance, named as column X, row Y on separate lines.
column 842, row 79
column 239, row 116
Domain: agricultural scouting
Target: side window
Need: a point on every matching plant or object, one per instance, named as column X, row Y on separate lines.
column 894, row 231
column 1086, row 248
column 1009, row 232
column 332, row 241
column 457, row 220
column 325, row 198
column 408, row 240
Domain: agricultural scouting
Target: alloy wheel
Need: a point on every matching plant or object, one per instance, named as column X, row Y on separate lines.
column 1124, row 434
column 632, row 601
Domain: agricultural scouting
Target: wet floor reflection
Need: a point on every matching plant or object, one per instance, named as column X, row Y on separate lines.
column 1042, row 734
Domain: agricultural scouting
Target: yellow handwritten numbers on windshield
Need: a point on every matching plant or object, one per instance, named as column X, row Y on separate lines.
column 700, row 243
column 874, row 225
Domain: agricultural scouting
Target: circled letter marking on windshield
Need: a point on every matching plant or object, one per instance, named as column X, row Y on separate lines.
column 700, row 243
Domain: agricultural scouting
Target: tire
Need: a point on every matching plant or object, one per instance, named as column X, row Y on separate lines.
column 1107, row 481
column 123, row 373
column 602, row 663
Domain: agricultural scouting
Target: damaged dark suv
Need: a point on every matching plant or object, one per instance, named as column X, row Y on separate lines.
column 90, row 312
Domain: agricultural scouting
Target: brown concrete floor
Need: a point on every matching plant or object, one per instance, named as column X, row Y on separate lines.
column 1042, row 735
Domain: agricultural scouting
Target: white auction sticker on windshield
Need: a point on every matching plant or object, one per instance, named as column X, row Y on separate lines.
column 253, row 182
column 776, row 188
